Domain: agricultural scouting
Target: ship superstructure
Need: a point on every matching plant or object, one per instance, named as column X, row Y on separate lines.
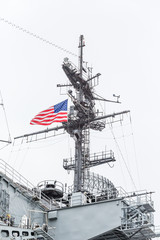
column 93, row 208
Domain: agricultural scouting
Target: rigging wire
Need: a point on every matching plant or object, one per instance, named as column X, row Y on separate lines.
column 124, row 143
column 122, row 170
column 17, row 154
column 135, row 154
column 38, row 147
column 123, row 158
column 26, row 149
column 4, row 146
column 37, row 36
column 2, row 104
column 11, row 152
column 24, row 157
column 103, row 110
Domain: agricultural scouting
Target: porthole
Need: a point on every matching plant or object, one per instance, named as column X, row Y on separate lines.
column 15, row 233
column 5, row 233
column 25, row 233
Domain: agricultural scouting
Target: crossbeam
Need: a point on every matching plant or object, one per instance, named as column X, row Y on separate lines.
column 69, row 124
column 40, row 132
column 109, row 115
column 93, row 160
column 5, row 141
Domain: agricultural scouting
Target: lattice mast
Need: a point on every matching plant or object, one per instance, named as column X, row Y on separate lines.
column 82, row 117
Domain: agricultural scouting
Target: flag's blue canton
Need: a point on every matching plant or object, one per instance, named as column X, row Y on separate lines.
column 62, row 106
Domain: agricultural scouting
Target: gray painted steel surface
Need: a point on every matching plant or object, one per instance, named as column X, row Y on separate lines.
column 84, row 222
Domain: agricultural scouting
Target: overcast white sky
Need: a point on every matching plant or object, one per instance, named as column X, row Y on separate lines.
column 122, row 43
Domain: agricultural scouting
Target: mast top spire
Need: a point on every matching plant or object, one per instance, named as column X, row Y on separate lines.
column 81, row 45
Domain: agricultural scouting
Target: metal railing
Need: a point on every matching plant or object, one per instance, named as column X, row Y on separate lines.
column 23, row 184
column 14, row 176
column 93, row 159
column 136, row 197
column 137, row 209
column 51, row 183
column 102, row 189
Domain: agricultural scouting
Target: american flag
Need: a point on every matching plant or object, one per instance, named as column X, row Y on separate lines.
column 56, row 113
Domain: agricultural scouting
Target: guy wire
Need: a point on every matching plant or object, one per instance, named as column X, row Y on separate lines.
column 37, row 36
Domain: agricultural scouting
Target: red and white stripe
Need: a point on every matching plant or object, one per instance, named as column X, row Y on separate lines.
column 48, row 116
